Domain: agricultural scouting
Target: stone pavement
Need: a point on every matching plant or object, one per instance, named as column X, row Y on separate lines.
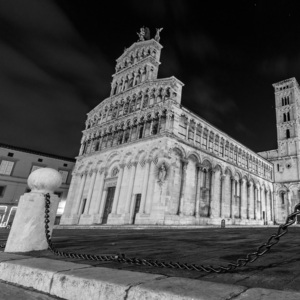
column 275, row 276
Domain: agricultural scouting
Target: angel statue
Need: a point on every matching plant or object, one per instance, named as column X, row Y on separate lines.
column 141, row 34
column 157, row 37
column 162, row 172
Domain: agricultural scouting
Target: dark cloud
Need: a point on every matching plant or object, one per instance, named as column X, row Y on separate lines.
column 49, row 79
column 208, row 102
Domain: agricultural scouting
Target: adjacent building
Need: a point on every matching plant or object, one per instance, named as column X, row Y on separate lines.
column 16, row 164
column 146, row 159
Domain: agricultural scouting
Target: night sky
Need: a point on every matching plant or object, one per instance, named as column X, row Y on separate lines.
column 57, row 59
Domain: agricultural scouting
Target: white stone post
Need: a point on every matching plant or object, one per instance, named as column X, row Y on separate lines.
column 28, row 229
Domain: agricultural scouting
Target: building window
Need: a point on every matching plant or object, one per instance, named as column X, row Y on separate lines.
column 288, row 134
column 282, row 198
column 40, row 160
column 278, row 167
column 64, row 175
column 2, row 190
column 10, row 154
column 288, row 116
column 65, row 165
column 34, row 167
column 284, row 117
column 6, row 167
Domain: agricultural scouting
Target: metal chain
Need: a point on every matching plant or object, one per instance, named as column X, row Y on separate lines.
column 121, row 258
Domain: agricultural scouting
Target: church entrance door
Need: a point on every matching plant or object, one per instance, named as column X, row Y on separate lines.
column 108, row 203
column 137, row 206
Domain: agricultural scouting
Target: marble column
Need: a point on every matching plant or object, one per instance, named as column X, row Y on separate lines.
column 183, row 186
column 80, row 193
column 150, row 189
column 90, row 191
column 97, row 200
column 222, row 195
column 244, row 201
column 215, row 204
column 187, row 130
column 130, row 187
column 71, row 194
column 232, row 199
column 211, row 192
column 145, row 187
column 118, row 189
column 255, row 202
column 198, row 191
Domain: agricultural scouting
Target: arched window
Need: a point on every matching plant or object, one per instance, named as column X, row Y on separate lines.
column 288, row 116
column 282, row 198
column 287, row 100
column 141, row 129
column 288, row 134
column 282, row 102
column 284, row 117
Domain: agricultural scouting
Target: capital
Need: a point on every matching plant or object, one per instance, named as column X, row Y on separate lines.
column 122, row 166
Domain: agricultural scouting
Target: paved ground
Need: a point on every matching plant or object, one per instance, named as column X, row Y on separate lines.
column 279, row 269
column 13, row 292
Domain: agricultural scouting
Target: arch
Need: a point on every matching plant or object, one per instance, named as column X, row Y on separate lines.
column 194, row 153
column 218, row 167
column 228, row 171
column 179, row 149
column 111, row 156
column 140, row 156
column 127, row 158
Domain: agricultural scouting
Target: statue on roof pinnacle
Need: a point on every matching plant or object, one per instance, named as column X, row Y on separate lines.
column 157, row 37
column 144, row 34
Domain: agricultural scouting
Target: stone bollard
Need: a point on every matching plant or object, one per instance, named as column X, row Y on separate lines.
column 223, row 223
column 28, row 229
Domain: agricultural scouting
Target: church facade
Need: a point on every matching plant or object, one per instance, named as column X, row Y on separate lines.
column 146, row 159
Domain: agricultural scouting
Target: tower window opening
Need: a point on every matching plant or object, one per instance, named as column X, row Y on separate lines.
column 288, row 116
column 284, row 117
column 282, row 198
column 282, row 101
column 278, row 167
column 288, row 134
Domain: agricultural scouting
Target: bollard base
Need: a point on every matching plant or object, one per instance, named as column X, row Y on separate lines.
column 28, row 229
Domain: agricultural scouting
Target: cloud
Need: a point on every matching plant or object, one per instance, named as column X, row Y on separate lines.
column 49, row 79
column 209, row 102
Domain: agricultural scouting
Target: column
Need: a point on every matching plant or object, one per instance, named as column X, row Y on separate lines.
column 90, row 192
column 195, row 131
column 266, row 205
column 159, row 122
column 118, row 189
column 222, row 195
column 244, row 197
column 145, row 187
column 72, row 192
column 130, row 187
column 255, row 202
column 150, row 188
column 182, row 190
column 232, row 199
column 198, row 191
column 261, row 202
column 144, row 128
column 151, row 125
column 238, row 199
column 100, row 181
column 187, row 130
column 215, row 205
column 211, row 192
column 78, row 200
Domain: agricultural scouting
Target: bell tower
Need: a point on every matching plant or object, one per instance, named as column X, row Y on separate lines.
column 138, row 64
column 287, row 101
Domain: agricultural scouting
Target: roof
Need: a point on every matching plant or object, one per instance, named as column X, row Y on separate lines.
column 37, row 152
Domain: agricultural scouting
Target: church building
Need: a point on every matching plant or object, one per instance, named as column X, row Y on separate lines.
column 146, row 159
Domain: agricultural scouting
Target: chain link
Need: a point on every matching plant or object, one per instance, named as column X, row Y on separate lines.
column 121, row 258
